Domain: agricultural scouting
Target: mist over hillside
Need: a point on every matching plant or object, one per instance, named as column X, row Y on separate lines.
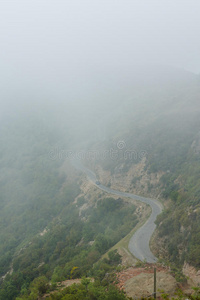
column 148, row 115
column 114, row 87
column 95, row 101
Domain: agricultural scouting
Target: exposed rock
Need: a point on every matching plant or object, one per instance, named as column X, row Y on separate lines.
column 91, row 243
column 135, row 180
column 41, row 264
column 43, row 232
column 196, row 145
column 8, row 273
column 193, row 275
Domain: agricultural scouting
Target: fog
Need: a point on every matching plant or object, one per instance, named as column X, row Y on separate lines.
column 108, row 89
column 83, row 52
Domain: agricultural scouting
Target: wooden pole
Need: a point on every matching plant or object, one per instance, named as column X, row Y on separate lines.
column 154, row 283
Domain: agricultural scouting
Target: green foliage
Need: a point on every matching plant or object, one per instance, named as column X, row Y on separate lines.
column 114, row 257
column 100, row 289
column 89, row 291
column 42, row 235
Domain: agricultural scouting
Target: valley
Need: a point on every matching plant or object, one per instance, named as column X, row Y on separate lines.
column 140, row 151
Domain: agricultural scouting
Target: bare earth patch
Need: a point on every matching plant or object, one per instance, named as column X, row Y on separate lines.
column 139, row 282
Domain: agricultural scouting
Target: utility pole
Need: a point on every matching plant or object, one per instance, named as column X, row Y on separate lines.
column 154, row 283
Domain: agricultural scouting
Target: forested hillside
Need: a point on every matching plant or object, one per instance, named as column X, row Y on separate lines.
column 162, row 130
column 42, row 232
column 49, row 230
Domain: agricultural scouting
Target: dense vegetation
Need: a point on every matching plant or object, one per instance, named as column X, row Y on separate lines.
column 102, row 288
column 43, row 230
column 179, row 226
column 84, row 291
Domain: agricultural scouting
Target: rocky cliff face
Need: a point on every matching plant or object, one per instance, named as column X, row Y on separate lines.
column 136, row 180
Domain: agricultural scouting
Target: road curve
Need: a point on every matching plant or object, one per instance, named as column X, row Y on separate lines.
column 139, row 242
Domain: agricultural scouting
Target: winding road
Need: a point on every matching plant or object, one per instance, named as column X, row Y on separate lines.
column 139, row 242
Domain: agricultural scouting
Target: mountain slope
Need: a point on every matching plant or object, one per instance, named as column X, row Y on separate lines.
column 139, row 130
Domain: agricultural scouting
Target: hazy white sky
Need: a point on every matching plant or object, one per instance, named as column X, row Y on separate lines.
column 50, row 41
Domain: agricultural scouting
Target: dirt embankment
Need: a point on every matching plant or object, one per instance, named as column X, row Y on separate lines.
column 138, row 282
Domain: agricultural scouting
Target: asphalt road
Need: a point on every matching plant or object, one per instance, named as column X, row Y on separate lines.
column 139, row 243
